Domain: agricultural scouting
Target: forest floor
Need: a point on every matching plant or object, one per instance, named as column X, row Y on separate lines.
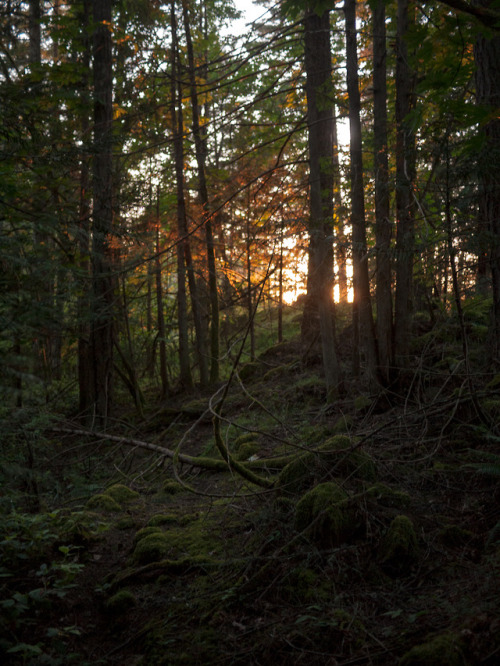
column 374, row 539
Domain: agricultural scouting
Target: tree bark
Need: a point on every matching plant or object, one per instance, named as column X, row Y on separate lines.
column 102, row 283
column 162, row 334
column 405, row 168
column 487, row 58
column 383, row 226
column 361, row 281
column 320, row 132
column 200, row 149
column 186, row 378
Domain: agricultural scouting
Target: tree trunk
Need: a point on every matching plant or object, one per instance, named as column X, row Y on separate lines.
column 200, row 150
column 162, row 334
column 85, row 390
column 339, row 211
column 102, row 283
column 177, row 131
column 487, row 58
column 383, row 227
column 405, row 167
column 361, row 280
column 320, row 133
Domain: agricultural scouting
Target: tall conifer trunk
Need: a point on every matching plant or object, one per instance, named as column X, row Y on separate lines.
column 319, row 91
column 405, row 168
column 102, row 218
column 362, row 300
column 487, row 58
column 177, row 131
column 383, row 226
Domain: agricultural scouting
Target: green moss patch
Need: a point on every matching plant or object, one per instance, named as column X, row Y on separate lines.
column 399, row 548
column 120, row 602
column 324, row 514
column 103, row 502
column 122, row 494
column 386, row 496
column 444, row 650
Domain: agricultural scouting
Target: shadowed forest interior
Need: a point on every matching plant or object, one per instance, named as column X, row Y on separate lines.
column 250, row 332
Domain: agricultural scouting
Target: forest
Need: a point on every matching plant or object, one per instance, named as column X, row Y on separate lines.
column 250, row 332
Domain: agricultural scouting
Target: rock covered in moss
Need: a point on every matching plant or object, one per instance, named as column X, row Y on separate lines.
column 122, row 494
column 120, row 602
column 389, row 497
column 325, row 515
column 443, row 650
column 146, row 531
column 103, row 502
column 246, row 450
column 172, row 488
column 298, row 474
column 153, row 547
column 399, row 547
column 348, row 461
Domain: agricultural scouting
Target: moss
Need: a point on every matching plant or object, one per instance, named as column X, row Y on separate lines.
column 103, row 502
column 389, row 497
column 152, row 548
column 249, row 370
column 399, row 548
column 454, row 536
column 324, row 514
column 197, row 538
column 122, row 494
column 172, row 488
column 247, row 450
column 444, row 650
column 298, row 474
column 243, row 439
column 162, row 519
column 125, row 523
column 344, row 424
column 120, row 602
column 347, row 462
column 146, row 531
column 494, row 384
column 362, row 403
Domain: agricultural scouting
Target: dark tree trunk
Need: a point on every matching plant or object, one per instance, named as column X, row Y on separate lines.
column 487, row 57
column 383, row 226
column 361, row 281
column 405, row 167
column 200, row 149
column 162, row 333
column 101, row 255
column 319, row 91
column 186, row 378
column 339, row 211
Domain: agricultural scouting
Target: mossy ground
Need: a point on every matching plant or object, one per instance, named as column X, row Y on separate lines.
column 305, row 572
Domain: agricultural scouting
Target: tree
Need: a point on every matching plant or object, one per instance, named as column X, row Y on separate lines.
column 362, row 310
column 320, row 132
column 102, row 300
column 405, row 167
column 383, row 226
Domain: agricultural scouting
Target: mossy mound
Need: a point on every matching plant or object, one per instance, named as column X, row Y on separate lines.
column 399, row 548
column 103, row 502
column 334, row 455
column 347, row 462
column 146, row 531
column 172, row 488
column 454, row 536
column 250, row 370
column 443, row 650
column 122, row 494
column 324, row 514
column 246, row 450
column 120, row 602
column 386, row 496
column 152, row 548
column 299, row 474
column 163, row 519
